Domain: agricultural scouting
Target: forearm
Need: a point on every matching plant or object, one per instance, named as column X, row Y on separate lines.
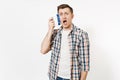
column 45, row 46
column 46, row 43
column 83, row 75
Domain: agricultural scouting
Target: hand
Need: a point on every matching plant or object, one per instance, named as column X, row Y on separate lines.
column 51, row 24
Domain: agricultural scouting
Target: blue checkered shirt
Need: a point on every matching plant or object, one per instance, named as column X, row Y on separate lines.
column 79, row 51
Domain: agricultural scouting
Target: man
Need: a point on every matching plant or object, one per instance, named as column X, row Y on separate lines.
column 70, row 58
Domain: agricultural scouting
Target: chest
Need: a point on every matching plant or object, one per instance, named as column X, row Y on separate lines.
column 73, row 41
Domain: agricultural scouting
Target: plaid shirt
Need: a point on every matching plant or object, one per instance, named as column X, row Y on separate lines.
column 79, row 51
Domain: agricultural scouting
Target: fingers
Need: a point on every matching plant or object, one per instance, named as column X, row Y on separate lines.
column 51, row 20
column 51, row 23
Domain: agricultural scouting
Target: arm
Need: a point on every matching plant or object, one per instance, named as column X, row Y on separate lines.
column 83, row 75
column 85, row 56
column 45, row 46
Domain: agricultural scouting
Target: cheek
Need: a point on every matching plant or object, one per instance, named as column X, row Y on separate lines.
column 69, row 18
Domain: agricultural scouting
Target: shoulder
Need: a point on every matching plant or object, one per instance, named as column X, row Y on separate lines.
column 82, row 34
column 80, row 31
column 55, row 31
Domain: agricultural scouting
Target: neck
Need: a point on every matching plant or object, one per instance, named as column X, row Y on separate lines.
column 67, row 28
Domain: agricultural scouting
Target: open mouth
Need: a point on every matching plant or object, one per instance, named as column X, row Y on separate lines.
column 64, row 21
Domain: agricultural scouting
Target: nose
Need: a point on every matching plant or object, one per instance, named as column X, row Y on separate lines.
column 64, row 16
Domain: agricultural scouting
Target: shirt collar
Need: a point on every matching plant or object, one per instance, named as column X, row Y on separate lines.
column 72, row 29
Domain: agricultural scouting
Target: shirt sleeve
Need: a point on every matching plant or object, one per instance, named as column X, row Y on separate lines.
column 85, row 52
column 52, row 38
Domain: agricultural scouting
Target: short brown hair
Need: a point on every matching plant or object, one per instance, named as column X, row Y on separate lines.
column 62, row 6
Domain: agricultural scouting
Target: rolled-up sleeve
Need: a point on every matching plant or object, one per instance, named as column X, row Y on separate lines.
column 52, row 38
column 85, row 52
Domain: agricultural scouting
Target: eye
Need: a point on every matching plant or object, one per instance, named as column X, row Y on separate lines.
column 66, row 13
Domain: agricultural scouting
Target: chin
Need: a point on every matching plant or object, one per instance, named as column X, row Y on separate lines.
column 65, row 26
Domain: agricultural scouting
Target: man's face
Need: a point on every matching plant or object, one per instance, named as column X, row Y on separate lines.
column 65, row 17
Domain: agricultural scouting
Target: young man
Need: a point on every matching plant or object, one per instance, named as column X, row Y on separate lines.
column 70, row 58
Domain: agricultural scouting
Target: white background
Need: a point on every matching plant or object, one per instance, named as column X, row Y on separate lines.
column 24, row 23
